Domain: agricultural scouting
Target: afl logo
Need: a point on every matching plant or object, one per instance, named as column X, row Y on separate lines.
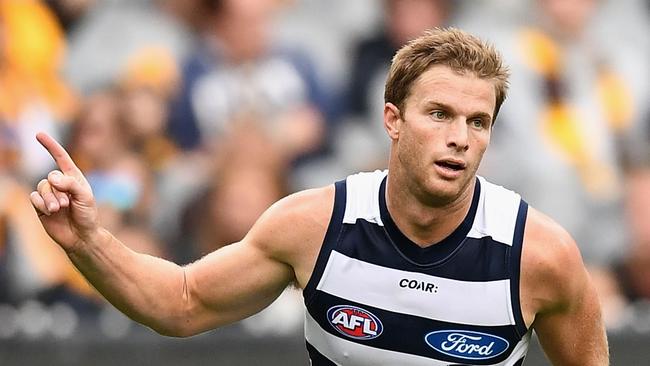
column 354, row 322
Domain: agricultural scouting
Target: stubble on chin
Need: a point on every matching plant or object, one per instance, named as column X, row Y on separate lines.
column 439, row 192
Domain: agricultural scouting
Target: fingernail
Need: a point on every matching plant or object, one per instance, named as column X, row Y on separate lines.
column 63, row 201
column 55, row 178
column 51, row 206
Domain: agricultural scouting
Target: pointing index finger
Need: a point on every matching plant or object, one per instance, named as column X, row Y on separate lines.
column 61, row 157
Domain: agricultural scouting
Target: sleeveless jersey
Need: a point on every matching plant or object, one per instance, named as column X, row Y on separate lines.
column 376, row 298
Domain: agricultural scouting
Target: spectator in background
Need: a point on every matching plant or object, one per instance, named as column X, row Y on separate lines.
column 146, row 86
column 559, row 85
column 122, row 181
column 237, row 70
column 237, row 73
column 141, row 99
column 403, row 21
column 566, row 87
column 32, row 95
column 113, row 32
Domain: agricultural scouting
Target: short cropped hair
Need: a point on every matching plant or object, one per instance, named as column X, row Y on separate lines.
column 459, row 50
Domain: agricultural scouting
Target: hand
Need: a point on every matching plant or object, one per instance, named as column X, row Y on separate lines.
column 64, row 201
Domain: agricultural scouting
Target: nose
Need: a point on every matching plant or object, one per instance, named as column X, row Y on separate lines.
column 458, row 134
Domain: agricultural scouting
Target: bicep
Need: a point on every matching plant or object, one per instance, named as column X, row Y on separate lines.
column 231, row 284
column 241, row 279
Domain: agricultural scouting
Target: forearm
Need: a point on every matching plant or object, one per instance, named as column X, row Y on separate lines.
column 147, row 289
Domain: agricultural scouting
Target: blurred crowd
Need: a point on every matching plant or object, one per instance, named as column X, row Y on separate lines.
column 190, row 117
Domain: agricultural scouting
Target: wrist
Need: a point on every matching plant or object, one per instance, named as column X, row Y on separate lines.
column 97, row 239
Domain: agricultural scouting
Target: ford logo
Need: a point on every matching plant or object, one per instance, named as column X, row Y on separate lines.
column 466, row 344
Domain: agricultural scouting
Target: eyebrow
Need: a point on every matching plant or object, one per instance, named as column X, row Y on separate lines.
column 481, row 115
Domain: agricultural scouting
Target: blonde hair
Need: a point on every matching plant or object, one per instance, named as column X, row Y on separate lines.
column 459, row 50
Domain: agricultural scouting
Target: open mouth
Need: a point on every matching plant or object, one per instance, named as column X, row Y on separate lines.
column 451, row 165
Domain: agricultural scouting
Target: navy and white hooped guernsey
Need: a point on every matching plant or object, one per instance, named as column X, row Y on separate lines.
column 376, row 298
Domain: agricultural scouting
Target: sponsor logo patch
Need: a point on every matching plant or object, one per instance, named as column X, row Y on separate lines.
column 354, row 322
column 418, row 285
column 466, row 344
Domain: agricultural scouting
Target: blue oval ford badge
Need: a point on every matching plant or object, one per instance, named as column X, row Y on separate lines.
column 466, row 344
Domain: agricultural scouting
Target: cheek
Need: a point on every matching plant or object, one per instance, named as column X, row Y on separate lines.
column 414, row 152
column 480, row 141
column 408, row 143
column 477, row 153
column 480, row 145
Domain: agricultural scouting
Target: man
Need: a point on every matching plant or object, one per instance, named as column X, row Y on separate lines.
column 425, row 264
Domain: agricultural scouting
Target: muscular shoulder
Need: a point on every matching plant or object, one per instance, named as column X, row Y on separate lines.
column 294, row 225
column 552, row 268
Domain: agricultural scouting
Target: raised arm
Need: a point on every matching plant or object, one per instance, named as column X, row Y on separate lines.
column 224, row 286
column 568, row 319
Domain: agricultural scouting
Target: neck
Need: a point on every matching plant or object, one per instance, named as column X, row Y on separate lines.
column 423, row 223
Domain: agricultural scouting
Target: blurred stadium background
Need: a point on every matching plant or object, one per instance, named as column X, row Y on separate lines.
column 190, row 117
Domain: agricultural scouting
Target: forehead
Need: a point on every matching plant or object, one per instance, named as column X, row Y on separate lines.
column 465, row 92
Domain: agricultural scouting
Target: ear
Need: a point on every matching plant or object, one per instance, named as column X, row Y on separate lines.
column 392, row 120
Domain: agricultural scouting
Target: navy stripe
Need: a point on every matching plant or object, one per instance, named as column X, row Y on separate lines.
column 330, row 240
column 515, row 266
column 436, row 253
column 406, row 333
column 317, row 358
column 474, row 260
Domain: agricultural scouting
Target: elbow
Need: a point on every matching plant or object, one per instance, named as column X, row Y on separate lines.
column 182, row 322
column 170, row 332
column 183, row 326
column 183, row 319
column 180, row 329
column 167, row 331
column 179, row 322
